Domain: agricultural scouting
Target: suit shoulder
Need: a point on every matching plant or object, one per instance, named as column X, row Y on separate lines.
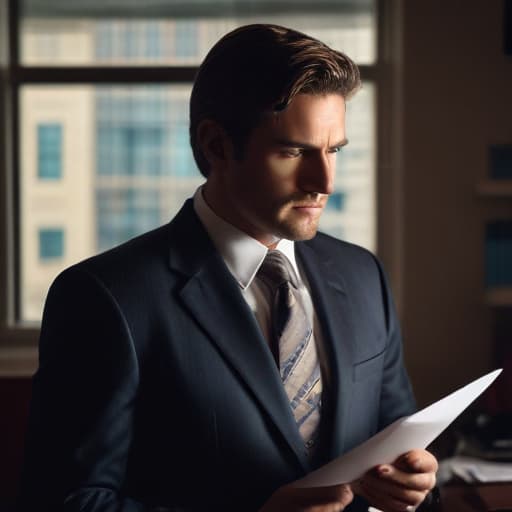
column 125, row 261
column 327, row 244
column 355, row 263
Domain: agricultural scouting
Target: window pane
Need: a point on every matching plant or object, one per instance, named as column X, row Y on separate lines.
column 49, row 147
column 84, row 32
column 51, row 244
column 127, row 167
column 351, row 210
column 123, row 213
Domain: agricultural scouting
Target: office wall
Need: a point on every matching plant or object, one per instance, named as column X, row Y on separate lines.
column 14, row 399
column 457, row 101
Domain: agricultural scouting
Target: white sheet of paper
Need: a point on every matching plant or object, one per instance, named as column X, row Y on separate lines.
column 410, row 432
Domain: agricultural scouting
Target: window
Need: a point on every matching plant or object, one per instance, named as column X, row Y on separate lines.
column 49, row 150
column 51, row 244
column 153, row 41
column 186, row 39
column 124, row 213
column 102, row 91
column 336, row 202
column 132, row 130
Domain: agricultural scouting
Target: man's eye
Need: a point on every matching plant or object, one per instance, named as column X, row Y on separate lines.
column 335, row 150
column 292, row 153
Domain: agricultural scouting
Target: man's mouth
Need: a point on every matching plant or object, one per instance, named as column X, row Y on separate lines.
column 310, row 204
column 311, row 208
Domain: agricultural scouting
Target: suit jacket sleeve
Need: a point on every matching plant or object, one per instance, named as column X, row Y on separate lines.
column 84, row 395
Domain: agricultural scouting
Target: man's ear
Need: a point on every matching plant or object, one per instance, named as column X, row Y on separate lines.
column 214, row 143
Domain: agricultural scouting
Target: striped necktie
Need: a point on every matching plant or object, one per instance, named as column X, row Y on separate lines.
column 293, row 345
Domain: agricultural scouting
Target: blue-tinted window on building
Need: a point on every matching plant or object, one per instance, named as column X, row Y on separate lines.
column 153, row 40
column 183, row 161
column 130, row 47
column 51, row 244
column 132, row 131
column 103, row 40
column 49, row 151
column 147, row 155
column 181, row 157
column 336, row 201
column 128, row 41
column 142, row 132
column 186, row 39
column 144, row 164
column 125, row 213
column 131, row 150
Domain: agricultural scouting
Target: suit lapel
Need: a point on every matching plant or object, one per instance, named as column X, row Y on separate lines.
column 332, row 306
column 213, row 298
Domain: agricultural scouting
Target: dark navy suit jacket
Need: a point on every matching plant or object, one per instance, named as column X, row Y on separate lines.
column 156, row 389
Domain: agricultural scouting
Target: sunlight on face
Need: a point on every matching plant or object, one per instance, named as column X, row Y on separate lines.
column 280, row 187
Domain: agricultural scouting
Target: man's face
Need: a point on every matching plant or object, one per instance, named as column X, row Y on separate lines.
column 280, row 187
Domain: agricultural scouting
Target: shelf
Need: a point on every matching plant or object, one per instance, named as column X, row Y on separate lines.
column 495, row 188
column 499, row 296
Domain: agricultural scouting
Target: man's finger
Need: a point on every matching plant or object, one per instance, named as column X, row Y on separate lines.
column 383, row 500
column 341, row 494
column 310, row 499
column 413, row 481
column 417, row 461
column 408, row 491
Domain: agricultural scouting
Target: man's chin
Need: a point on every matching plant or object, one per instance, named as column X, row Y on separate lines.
column 298, row 234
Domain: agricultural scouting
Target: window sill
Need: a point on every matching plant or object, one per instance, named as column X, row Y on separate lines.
column 18, row 352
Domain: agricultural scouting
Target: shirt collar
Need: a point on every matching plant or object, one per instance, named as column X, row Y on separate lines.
column 242, row 254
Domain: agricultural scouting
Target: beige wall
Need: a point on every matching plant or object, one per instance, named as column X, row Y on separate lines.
column 457, row 101
column 66, row 203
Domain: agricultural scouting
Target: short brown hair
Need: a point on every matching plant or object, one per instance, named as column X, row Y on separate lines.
column 260, row 68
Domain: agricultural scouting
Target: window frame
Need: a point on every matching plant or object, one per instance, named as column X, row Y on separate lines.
column 18, row 342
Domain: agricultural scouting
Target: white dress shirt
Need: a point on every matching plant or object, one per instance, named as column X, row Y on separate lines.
column 243, row 256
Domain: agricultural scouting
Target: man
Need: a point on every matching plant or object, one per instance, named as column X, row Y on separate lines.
column 163, row 383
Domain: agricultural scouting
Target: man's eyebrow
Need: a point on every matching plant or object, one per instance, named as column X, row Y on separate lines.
column 298, row 144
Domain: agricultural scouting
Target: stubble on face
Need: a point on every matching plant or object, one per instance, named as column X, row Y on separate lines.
column 299, row 217
column 280, row 186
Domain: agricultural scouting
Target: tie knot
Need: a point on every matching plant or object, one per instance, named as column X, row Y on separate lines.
column 277, row 269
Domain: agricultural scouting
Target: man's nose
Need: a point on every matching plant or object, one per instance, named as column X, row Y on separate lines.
column 317, row 175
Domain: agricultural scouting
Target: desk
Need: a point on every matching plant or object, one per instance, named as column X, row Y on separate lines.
column 467, row 498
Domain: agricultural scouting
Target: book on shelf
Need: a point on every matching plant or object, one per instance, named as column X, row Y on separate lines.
column 500, row 162
column 498, row 254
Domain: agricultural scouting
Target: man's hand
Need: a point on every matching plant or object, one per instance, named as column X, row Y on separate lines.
column 401, row 486
column 313, row 499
